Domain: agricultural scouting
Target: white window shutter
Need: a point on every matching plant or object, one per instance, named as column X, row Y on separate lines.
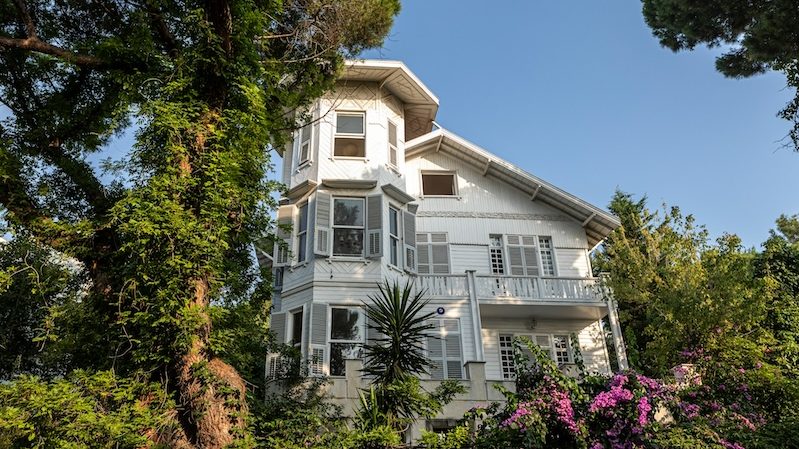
column 316, row 366
column 318, row 324
column 409, row 239
column 374, row 225
column 322, row 222
column 283, row 247
column 277, row 326
column 435, row 352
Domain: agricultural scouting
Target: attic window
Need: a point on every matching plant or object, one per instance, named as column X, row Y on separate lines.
column 438, row 184
column 350, row 134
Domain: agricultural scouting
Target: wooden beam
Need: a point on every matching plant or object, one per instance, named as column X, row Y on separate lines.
column 438, row 147
column 535, row 194
column 588, row 220
column 488, row 165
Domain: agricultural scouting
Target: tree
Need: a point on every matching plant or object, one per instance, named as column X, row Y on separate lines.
column 166, row 231
column 757, row 35
column 396, row 358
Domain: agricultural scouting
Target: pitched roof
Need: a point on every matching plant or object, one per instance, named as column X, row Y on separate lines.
column 421, row 105
column 597, row 222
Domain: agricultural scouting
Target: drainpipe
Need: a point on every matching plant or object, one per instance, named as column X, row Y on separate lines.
column 615, row 326
column 477, row 324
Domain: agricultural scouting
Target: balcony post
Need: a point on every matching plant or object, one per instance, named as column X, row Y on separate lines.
column 615, row 326
column 477, row 324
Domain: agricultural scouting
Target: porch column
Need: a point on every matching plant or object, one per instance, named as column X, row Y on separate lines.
column 477, row 324
column 615, row 328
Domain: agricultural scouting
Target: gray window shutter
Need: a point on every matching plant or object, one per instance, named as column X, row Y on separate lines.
column 531, row 260
column 516, row 260
column 409, row 238
column 318, row 324
column 277, row 326
column 285, row 218
column 374, row 225
column 452, row 349
column 322, row 224
column 435, row 352
column 422, row 254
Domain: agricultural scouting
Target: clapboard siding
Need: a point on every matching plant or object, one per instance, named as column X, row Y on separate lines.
column 486, row 205
column 593, row 349
column 469, row 257
column 491, row 352
column 572, row 262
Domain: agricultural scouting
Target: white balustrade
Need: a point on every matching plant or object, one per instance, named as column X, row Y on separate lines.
column 517, row 287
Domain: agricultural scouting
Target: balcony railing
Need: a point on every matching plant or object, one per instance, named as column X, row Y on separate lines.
column 512, row 287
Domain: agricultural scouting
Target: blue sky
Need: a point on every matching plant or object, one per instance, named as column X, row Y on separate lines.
column 582, row 95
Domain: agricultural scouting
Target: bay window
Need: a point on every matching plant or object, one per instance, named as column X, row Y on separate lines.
column 346, row 337
column 350, row 139
column 348, row 229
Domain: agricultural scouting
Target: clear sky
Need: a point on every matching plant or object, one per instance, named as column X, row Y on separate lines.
column 582, row 95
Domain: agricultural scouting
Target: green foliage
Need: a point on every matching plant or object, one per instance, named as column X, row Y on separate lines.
column 757, row 36
column 395, row 315
column 84, row 411
column 165, row 235
column 457, row 438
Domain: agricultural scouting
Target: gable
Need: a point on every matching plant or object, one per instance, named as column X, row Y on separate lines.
column 596, row 222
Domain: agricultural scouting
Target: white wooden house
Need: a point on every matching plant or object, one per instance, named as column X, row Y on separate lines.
column 377, row 190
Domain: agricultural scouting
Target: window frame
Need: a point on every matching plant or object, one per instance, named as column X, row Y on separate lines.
column 395, row 238
column 293, row 315
column 361, row 325
column 453, row 173
column 498, row 250
column 394, row 146
column 301, row 163
column 550, row 348
column 551, row 250
column 302, row 235
column 337, row 135
column 334, row 226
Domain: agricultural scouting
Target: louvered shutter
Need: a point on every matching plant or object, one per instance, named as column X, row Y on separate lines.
column 422, row 254
column 435, row 353
column 318, row 339
column 322, row 224
column 284, row 231
column 374, row 225
column 452, row 348
column 439, row 253
column 409, row 239
column 277, row 326
column 516, row 260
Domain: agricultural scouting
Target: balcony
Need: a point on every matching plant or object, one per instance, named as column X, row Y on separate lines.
column 517, row 289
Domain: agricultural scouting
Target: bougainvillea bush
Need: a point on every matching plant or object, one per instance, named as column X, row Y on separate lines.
column 624, row 411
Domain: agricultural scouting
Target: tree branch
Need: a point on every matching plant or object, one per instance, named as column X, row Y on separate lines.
column 36, row 45
column 30, row 28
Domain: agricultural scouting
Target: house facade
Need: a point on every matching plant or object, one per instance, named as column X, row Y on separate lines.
column 378, row 191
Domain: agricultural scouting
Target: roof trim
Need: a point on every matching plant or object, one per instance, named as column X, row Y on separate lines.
column 598, row 223
column 354, row 184
column 376, row 69
column 397, row 193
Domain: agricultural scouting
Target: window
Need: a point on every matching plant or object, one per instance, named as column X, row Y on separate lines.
column 560, row 346
column 444, row 350
column 350, row 140
column 302, row 234
column 438, row 184
column 393, row 236
column 432, row 252
column 305, row 143
column 495, row 249
column 392, row 144
column 277, row 279
column 547, row 256
column 557, row 346
column 346, row 337
column 296, row 328
column 522, row 255
column 348, row 227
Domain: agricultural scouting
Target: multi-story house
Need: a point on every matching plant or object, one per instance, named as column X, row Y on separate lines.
column 377, row 190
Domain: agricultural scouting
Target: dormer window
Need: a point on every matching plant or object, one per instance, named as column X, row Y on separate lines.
column 438, row 183
column 350, row 140
column 392, row 144
column 305, row 144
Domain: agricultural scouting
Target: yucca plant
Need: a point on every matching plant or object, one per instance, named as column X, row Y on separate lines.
column 395, row 314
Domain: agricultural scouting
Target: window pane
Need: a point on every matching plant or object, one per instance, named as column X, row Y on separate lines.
column 392, row 134
column 348, row 242
column 301, row 248
column 349, row 123
column 392, row 221
column 305, row 133
column 303, row 219
column 394, row 250
column 349, row 147
column 348, row 212
column 344, row 324
column 339, row 353
column 438, row 184
column 296, row 327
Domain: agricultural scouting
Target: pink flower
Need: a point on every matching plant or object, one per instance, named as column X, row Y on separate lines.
column 643, row 411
